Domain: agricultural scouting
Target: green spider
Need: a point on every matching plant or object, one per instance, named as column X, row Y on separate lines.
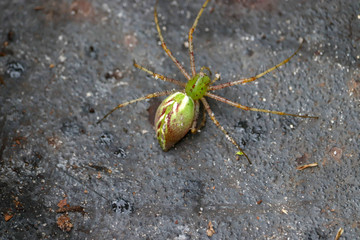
column 179, row 112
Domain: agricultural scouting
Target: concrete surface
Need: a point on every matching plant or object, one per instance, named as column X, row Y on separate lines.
column 64, row 64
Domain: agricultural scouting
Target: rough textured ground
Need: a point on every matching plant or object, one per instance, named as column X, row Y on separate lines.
column 64, row 64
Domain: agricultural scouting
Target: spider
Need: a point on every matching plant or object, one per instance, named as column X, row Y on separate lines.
column 179, row 112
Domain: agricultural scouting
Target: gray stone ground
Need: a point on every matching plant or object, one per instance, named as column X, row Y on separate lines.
column 64, row 64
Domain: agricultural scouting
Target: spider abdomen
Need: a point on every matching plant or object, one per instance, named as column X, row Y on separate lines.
column 173, row 119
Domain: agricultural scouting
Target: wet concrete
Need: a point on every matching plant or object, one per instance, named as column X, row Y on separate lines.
column 64, row 64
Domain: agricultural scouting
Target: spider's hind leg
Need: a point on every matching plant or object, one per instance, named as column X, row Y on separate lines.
column 211, row 114
column 194, row 128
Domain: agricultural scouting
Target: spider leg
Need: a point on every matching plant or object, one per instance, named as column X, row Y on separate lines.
column 152, row 95
column 193, row 126
column 157, row 76
column 211, row 114
column 168, row 52
column 206, row 68
column 224, row 100
column 202, row 124
column 195, row 129
column 246, row 80
column 191, row 31
column 216, row 78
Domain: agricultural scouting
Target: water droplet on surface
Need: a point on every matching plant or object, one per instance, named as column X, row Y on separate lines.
column 71, row 127
column 122, row 206
column 106, row 139
column 14, row 69
column 120, row 153
column 92, row 52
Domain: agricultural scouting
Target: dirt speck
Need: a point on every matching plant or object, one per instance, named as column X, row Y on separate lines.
column 64, row 223
column 336, row 153
column 130, row 41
